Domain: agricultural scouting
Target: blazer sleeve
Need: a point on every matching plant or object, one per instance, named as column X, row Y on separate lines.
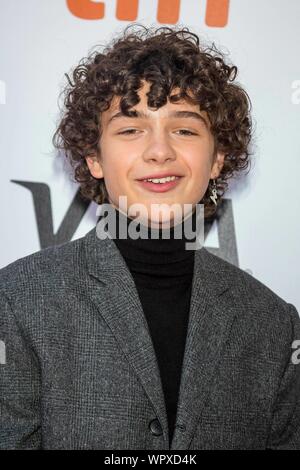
column 20, row 426
column 285, row 429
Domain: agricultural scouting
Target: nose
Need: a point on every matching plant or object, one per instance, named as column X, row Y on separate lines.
column 159, row 149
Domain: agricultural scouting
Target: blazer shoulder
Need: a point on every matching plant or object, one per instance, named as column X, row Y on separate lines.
column 42, row 266
column 252, row 290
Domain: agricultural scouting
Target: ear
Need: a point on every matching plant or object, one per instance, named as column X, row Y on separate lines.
column 94, row 166
column 217, row 165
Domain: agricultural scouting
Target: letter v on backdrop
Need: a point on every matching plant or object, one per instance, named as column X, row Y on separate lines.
column 168, row 11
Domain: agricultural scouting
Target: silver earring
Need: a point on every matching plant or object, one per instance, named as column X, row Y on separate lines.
column 214, row 195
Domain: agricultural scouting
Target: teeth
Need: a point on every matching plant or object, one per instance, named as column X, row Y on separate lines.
column 162, row 180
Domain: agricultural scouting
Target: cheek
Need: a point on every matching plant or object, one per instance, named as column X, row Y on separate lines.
column 199, row 153
column 116, row 174
column 199, row 165
column 113, row 162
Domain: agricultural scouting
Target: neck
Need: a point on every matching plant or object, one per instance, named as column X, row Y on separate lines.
column 154, row 246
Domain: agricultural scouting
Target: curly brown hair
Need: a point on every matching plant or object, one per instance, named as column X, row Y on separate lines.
column 167, row 58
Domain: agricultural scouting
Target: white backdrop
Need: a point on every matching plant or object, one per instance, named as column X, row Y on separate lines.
column 43, row 39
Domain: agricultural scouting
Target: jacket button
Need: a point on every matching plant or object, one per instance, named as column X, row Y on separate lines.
column 155, row 427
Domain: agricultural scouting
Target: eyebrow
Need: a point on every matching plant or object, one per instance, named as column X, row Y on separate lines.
column 174, row 114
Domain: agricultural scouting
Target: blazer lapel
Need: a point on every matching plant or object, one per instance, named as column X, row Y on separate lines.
column 210, row 319
column 118, row 302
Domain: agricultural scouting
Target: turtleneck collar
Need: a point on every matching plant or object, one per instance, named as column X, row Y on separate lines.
column 154, row 249
column 162, row 262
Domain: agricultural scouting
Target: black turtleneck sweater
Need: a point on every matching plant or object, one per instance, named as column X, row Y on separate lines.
column 162, row 270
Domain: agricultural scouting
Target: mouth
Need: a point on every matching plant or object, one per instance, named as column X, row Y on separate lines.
column 160, row 185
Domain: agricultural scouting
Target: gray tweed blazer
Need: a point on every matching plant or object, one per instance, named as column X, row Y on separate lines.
column 78, row 368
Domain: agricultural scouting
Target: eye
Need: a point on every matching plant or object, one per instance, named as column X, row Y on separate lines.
column 128, row 131
column 187, row 132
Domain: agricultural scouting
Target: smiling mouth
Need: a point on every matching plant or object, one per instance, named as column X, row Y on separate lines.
column 166, row 179
column 160, row 184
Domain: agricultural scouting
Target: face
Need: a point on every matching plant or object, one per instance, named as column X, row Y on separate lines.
column 173, row 140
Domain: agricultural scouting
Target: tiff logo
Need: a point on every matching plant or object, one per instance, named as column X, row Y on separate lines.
column 216, row 12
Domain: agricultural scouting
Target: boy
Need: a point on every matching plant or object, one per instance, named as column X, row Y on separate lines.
column 139, row 343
